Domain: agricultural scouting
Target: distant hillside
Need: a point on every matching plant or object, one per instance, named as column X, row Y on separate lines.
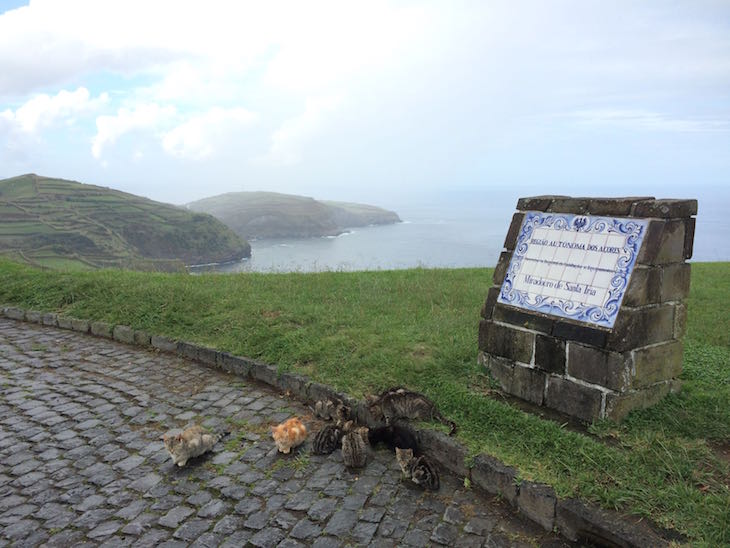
column 57, row 223
column 273, row 215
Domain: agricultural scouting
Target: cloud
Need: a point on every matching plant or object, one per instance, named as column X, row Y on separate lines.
column 200, row 136
column 143, row 117
column 44, row 110
column 287, row 141
column 643, row 120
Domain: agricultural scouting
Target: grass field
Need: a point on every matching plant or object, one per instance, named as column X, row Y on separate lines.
column 364, row 331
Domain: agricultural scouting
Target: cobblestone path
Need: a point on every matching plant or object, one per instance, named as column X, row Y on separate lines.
column 81, row 462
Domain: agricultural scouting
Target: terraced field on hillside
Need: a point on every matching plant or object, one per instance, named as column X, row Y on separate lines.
column 56, row 223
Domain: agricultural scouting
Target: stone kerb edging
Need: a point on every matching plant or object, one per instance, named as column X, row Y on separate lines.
column 573, row 518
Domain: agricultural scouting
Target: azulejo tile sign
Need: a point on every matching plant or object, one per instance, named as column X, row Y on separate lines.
column 573, row 266
column 588, row 303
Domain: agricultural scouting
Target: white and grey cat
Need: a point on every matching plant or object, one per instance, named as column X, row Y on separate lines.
column 191, row 442
column 418, row 469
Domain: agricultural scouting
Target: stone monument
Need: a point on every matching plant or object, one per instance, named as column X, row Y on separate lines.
column 588, row 307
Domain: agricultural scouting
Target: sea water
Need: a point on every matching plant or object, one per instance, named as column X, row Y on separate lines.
column 439, row 235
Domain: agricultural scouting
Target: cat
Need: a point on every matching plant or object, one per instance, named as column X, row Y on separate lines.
column 191, row 442
column 394, row 436
column 327, row 440
column 334, row 410
column 401, row 403
column 418, row 469
column 355, row 447
column 289, row 434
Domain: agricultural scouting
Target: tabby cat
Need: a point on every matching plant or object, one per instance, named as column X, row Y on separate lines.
column 355, row 447
column 327, row 440
column 401, row 403
column 394, row 436
column 289, row 434
column 334, row 410
column 191, row 442
column 418, row 469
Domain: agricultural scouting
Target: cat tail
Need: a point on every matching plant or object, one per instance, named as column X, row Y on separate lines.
column 443, row 420
column 221, row 435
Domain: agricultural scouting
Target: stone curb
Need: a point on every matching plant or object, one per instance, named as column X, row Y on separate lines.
column 572, row 518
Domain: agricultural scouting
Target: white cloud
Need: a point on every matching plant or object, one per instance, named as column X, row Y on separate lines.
column 288, row 140
column 44, row 110
column 643, row 120
column 143, row 117
column 201, row 135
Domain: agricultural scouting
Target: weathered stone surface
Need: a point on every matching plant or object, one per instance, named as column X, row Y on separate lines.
column 666, row 208
column 657, row 363
column 501, row 269
column 532, row 320
column 675, row 282
column 637, row 327
column 578, row 206
column 574, row 399
column 124, row 334
column 142, row 338
column 264, row 372
column 13, row 312
column 644, row 286
column 501, row 369
column 188, row 350
column 295, row 385
column 619, row 405
column 50, row 319
column 514, row 229
column 680, row 321
column 163, row 344
column 82, row 326
column 689, row 237
column 494, row 477
column 33, row 316
column 537, row 501
column 613, row 207
column 101, row 329
column 579, row 522
column 505, row 341
column 579, row 333
column 536, row 203
column 550, row 354
column 528, row 383
column 664, row 242
column 235, row 364
column 488, row 307
column 64, row 322
column 445, row 450
column 597, row 366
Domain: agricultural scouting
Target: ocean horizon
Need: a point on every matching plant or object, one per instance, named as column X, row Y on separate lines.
column 445, row 235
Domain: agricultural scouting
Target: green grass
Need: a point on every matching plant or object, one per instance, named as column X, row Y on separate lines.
column 362, row 332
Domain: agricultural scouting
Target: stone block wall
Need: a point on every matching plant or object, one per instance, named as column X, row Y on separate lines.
column 589, row 372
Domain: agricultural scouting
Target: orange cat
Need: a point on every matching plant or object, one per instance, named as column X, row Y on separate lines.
column 289, row 434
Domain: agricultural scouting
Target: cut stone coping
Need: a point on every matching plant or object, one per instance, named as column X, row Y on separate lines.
column 574, row 519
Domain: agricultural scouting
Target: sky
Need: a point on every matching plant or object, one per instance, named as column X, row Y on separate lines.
column 380, row 102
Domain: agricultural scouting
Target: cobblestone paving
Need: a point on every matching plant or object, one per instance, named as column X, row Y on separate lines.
column 81, row 462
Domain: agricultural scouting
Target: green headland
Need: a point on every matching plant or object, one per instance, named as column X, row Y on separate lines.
column 62, row 224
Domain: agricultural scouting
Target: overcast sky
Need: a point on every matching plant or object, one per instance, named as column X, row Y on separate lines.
column 373, row 101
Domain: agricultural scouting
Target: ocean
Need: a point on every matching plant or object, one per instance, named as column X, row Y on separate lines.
column 444, row 235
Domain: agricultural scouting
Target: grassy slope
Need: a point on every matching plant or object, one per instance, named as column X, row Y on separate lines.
column 274, row 215
column 365, row 331
column 64, row 224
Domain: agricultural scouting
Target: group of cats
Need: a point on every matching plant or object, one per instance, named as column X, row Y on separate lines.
column 390, row 406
